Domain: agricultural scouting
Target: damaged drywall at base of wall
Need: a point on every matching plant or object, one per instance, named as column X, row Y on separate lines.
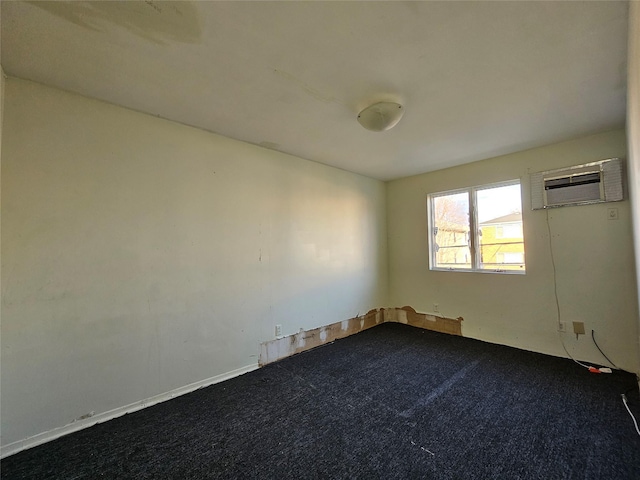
column 409, row 316
column 270, row 352
column 302, row 341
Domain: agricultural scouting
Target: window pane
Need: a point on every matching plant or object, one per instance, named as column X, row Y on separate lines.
column 500, row 224
column 450, row 231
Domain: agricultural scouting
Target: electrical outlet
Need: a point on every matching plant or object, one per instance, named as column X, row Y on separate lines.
column 436, row 308
column 578, row 328
column 562, row 327
column 278, row 330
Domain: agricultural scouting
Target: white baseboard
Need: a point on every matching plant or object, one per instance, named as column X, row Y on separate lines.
column 44, row 437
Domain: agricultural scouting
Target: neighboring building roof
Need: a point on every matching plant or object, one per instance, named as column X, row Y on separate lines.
column 511, row 218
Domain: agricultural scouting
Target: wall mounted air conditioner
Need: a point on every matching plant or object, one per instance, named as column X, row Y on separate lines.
column 594, row 182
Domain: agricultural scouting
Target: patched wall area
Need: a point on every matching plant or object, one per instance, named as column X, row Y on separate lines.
column 302, row 341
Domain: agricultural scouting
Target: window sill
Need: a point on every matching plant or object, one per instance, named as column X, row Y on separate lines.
column 465, row 270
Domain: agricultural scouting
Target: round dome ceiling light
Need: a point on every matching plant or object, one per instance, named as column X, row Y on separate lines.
column 381, row 116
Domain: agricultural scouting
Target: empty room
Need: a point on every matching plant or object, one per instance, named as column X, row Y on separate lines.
column 320, row 239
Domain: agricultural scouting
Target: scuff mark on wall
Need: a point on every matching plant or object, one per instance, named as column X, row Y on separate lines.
column 283, row 347
column 84, row 417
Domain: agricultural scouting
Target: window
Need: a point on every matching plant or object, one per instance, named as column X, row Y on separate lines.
column 477, row 229
column 513, row 258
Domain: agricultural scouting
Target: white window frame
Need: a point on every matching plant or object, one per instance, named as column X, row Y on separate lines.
column 473, row 227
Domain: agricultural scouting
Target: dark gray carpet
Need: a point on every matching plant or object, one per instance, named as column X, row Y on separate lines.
column 391, row 402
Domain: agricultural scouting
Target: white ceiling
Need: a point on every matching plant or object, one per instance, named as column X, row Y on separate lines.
column 477, row 79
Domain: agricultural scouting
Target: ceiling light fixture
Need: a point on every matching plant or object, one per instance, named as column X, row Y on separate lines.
column 381, row 116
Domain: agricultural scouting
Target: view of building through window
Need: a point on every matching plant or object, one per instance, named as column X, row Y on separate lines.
column 479, row 228
column 501, row 243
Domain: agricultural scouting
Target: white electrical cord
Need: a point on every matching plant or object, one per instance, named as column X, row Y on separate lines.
column 555, row 292
column 624, row 400
column 569, row 355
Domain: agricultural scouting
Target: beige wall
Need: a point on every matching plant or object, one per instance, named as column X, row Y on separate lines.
column 139, row 255
column 594, row 258
column 633, row 125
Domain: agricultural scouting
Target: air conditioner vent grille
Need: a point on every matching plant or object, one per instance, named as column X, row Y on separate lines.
column 583, row 184
column 571, row 180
